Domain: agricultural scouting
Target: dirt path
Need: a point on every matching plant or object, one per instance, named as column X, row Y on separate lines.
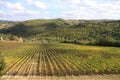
column 81, row 77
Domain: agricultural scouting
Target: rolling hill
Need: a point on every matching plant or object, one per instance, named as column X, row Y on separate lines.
column 94, row 32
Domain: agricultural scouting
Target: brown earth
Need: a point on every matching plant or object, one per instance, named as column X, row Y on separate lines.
column 80, row 77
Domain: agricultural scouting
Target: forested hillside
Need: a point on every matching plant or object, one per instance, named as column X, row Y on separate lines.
column 93, row 32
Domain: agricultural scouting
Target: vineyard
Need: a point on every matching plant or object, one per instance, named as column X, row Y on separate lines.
column 35, row 59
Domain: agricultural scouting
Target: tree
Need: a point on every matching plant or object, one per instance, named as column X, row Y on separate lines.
column 14, row 38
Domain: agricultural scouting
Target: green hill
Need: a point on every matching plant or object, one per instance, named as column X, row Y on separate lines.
column 94, row 32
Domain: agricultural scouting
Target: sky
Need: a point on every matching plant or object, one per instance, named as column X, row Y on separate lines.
column 20, row 10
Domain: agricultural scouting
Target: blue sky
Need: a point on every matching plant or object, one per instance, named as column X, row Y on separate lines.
column 19, row 10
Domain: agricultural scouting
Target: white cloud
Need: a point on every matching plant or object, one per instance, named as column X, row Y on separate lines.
column 37, row 4
column 71, row 1
column 2, row 15
column 25, row 12
column 1, row 12
column 79, row 13
column 15, row 10
column 30, row 2
column 40, row 4
column 91, row 3
column 113, row 4
column 91, row 9
column 69, row 9
column 14, row 6
column 18, row 15
column 30, row 12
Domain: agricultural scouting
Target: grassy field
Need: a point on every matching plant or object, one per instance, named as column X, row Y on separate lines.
column 35, row 59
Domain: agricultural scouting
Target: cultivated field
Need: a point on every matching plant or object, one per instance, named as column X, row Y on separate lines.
column 59, row 61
